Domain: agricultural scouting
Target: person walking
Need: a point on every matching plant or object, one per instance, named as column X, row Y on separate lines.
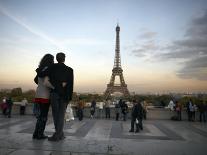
column 61, row 77
column 178, row 109
column 42, row 96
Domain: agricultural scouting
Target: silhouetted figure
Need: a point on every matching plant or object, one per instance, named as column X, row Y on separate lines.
column 9, row 105
column 136, row 116
column 23, row 106
column 80, row 109
column 107, row 108
column 124, row 110
column 93, row 108
column 61, row 77
column 202, row 109
column 178, row 109
column 42, row 96
column 117, row 110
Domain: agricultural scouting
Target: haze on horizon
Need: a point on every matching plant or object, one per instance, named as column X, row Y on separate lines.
column 163, row 43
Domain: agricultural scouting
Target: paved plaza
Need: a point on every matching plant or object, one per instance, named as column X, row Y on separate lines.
column 101, row 136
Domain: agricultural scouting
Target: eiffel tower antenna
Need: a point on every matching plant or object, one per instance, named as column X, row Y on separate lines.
column 117, row 71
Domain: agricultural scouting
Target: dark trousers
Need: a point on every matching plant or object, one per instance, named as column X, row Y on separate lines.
column 22, row 110
column 9, row 110
column 80, row 114
column 138, row 125
column 117, row 116
column 41, row 119
column 133, row 121
column 124, row 116
column 189, row 116
column 58, row 112
column 179, row 115
column 202, row 117
column 107, row 111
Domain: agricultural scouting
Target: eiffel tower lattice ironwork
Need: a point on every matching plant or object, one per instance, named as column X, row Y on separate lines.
column 117, row 71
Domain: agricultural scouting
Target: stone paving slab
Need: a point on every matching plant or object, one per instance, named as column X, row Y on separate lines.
column 100, row 136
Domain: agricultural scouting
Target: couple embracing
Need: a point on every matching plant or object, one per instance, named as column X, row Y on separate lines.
column 55, row 88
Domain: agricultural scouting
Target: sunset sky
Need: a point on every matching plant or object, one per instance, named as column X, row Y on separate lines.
column 163, row 43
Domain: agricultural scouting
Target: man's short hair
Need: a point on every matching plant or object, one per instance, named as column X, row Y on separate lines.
column 60, row 57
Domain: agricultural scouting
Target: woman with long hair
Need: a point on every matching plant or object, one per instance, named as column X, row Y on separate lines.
column 42, row 95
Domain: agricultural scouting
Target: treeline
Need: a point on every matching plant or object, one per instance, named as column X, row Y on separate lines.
column 18, row 95
column 158, row 100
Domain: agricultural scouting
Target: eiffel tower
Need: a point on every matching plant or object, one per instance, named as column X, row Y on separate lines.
column 117, row 71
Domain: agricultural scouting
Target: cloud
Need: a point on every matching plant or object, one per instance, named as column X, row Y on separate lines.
column 192, row 50
column 146, row 47
column 148, row 35
column 190, row 53
column 194, row 68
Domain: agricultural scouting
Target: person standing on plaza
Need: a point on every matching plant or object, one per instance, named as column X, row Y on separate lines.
column 124, row 110
column 4, row 106
column 61, row 77
column 42, row 96
column 201, row 109
column 9, row 105
column 178, row 109
column 136, row 116
column 100, row 109
column 80, row 109
column 189, row 106
column 107, row 108
column 117, row 110
column 93, row 108
column 23, row 106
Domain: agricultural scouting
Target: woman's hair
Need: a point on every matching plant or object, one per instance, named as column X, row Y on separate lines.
column 47, row 60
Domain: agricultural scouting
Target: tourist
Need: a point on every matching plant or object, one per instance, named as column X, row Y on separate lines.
column 124, row 110
column 107, row 108
column 117, row 110
column 9, row 103
column 193, row 109
column 201, row 109
column 178, row 109
column 4, row 107
column 42, row 95
column 93, row 108
column 144, row 109
column 100, row 109
column 80, row 108
column 23, row 106
column 136, row 116
column 61, row 77
column 189, row 106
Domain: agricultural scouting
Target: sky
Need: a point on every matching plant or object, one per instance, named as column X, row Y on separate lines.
column 163, row 43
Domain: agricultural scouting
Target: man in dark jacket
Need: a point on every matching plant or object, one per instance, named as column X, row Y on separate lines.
column 136, row 116
column 61, row 77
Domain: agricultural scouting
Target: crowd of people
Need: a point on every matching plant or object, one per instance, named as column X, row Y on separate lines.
column 191, row 110
column 7, row 104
